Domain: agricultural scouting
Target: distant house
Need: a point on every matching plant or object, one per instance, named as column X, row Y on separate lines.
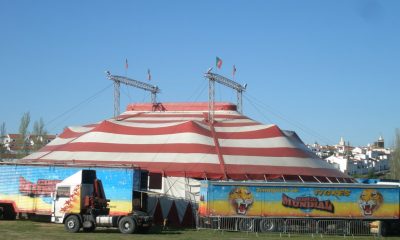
column 361, row 160
column 14, row 146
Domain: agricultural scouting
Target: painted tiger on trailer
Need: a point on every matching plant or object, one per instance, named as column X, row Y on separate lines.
column 241, row 200
column 370, row 201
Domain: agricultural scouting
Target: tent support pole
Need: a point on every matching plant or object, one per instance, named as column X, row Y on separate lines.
column 218, row 150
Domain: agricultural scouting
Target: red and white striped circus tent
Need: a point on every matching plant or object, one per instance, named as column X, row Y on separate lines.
column 176, row 139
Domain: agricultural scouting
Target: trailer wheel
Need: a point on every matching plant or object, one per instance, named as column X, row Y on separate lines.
column 127, row 225
column 267, row 225
column 385, row 229
column 246, row 225
column 72, row 224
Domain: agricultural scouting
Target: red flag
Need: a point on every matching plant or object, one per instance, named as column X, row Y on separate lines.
column 218, row 62
column 126, row 63
column 148, row 74
column 234, row 71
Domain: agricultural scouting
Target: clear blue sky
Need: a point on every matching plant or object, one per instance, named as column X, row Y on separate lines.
column 325, row 69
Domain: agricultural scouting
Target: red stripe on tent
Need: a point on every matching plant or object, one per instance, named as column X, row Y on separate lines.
column 211, row 171
column 134, row 148
column 270, row 132
column 178, row 148
column 185, row 127
column 153, row 121
column 68, row 133
column 233, row 124
column 216, row 124
column 267, row 152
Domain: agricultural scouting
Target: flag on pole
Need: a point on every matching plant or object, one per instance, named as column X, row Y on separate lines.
column 148, row 74
column 126, row 63
column 234, row 71
column 218, row 62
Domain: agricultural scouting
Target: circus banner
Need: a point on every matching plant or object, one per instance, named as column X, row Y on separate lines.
column 300, row 200
column 30, row 188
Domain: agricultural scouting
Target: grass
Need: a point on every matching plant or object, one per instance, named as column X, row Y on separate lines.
column 24, row 229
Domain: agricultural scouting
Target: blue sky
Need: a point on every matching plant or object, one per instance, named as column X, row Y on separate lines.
column 325, row 69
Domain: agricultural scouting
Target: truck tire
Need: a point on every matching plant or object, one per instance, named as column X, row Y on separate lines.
column 127, row 225
column 72, row 224
column 268, row 225
column 8, row 212
column 89, row 229
column 246, row 225
column 143, row 229
column 385, row 229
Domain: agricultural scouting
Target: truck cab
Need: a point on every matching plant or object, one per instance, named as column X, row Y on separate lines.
column 79, row 201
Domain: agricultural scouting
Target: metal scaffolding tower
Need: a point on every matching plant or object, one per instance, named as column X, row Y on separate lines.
column 131, row 82
column 213, row 77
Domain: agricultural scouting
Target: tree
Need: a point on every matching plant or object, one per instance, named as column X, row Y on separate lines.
column 39, row 133
column 3, row 133
column 395, row 159
column 23, row 132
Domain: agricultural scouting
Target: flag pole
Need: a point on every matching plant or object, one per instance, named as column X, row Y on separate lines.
column 126, row 67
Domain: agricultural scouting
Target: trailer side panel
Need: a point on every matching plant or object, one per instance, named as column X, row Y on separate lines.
column 29, row 188
column 332, row 201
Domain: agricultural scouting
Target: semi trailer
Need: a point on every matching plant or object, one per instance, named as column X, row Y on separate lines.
column 75, row 196
column 308, row 207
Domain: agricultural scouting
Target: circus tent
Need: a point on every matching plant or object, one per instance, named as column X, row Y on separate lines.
column 177, row 142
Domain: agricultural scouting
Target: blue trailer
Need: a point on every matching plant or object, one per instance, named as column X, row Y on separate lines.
column 277, row 206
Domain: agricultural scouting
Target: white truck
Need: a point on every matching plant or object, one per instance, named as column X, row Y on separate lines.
column 80, row 202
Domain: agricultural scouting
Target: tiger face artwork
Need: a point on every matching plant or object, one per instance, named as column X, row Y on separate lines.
column 370, row 201
column 241, row 200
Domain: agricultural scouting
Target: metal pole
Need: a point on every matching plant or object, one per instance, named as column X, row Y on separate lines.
column 239, row 101
column 116, row 98
column 211, row 94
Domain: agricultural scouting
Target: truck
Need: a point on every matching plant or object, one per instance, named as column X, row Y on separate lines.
column 340, row 208
column 75, row 196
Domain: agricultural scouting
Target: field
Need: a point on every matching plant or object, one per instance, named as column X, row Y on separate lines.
column 23, row 229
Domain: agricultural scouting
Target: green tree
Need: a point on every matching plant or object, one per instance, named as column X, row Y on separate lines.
column 39, row 134
column 3, row 133
column 22, row 141
column 395, row 159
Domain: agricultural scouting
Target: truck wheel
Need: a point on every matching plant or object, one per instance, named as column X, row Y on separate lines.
column 143, row 229
column 127, row 225
column 89, row 229
column 385, row 229
column 267, row 225
column 246, row 225
column 8, row 212
column 72, row 224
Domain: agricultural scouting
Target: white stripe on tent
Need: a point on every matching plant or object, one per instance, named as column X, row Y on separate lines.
column 60, row 141
column 147, row 125
column 274, row 142
column 242, row 128
column 101, row 137
column 80, row 129
column 134, row 157
column 276, row 161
